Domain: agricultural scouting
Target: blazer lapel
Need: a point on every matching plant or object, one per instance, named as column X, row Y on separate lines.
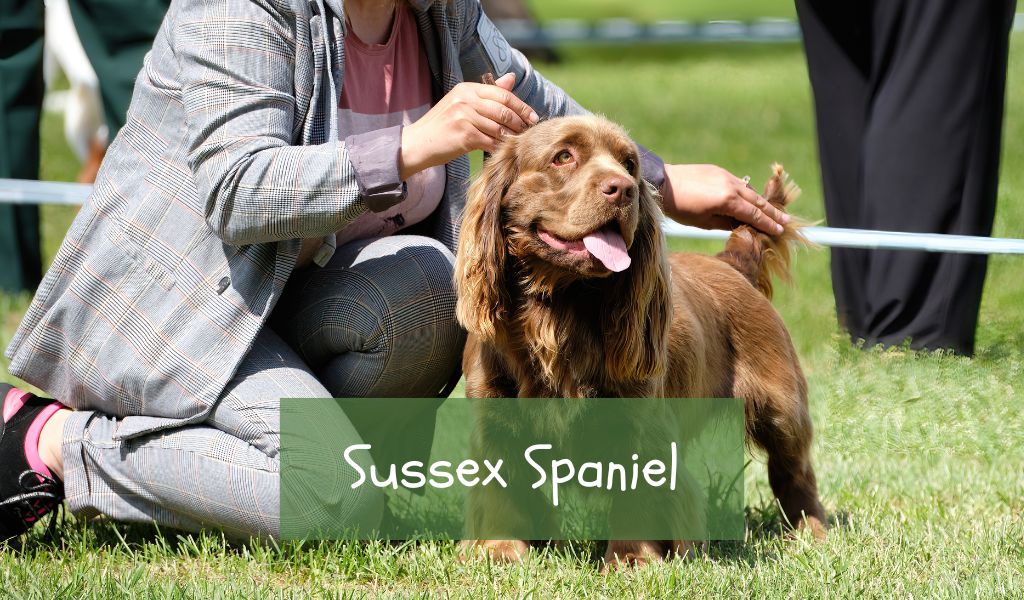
column 442, row 55
column 315, row 129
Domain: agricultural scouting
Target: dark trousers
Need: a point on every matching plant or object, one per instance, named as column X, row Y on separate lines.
column 21, row 95
column 116, row 35
column 909, row 100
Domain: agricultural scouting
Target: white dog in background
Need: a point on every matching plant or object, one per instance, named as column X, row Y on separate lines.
column 84, row 125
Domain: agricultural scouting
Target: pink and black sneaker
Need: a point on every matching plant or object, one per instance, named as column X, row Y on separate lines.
column 28, row 491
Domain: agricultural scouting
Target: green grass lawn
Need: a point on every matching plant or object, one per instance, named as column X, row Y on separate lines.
column 919, row 456
column 653, row 10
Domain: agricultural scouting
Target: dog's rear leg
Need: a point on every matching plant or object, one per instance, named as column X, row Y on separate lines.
column 793, row 482
column 782, row 427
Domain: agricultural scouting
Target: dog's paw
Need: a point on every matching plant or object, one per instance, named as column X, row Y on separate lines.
column 623, row 554
column 815, row 526
column 504, row 551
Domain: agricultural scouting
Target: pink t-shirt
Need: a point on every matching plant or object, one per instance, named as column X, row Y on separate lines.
column 386, row 85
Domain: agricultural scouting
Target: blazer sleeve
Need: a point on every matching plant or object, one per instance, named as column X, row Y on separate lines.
column 237, row 63
column 484, row 49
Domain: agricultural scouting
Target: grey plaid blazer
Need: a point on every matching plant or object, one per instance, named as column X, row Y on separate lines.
column 229, row 157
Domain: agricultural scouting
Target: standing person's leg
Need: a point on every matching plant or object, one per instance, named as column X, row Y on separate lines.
column 116, row 35
column 223, row 473
column 21, row 99
column 837, row 42
column 932, row 162
column 379, row 321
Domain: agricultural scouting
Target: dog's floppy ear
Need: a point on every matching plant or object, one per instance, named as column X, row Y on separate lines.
column 480, row 263
column 638, row 307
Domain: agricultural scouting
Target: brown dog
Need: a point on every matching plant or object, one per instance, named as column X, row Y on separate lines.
column 567, row 290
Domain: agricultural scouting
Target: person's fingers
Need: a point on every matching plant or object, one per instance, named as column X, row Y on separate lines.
column 502, row 115
column 506, row 97
column 487, row 143
column 487, row 135
column 750, row 195
column 489, row 127
column 749, row 213
column 506, row 81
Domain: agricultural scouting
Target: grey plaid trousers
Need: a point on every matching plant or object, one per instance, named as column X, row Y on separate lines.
column 378, row 320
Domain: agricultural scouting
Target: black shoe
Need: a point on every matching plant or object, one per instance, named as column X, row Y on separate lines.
column 27, row 491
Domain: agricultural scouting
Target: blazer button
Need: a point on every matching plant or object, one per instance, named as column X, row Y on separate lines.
column 223, row 285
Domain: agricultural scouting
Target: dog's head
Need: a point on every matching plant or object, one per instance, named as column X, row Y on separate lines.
column 569, row 191
column 564, row 201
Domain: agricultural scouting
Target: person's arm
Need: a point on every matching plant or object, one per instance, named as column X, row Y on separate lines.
column 711, row 197
column 237, row 63
column 702, row 195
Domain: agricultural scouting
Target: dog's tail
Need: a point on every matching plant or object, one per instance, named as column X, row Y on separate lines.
column 761, row 257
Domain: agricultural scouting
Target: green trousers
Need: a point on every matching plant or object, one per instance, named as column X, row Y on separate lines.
column 116, row 35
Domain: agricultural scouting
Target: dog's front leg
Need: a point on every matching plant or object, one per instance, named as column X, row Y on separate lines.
column 499, row 513
column 632, row 553
column 494, row 514
column 677, row 513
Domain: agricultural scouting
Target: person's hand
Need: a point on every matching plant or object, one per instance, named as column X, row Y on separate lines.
column 473, row 116
column 711, row 197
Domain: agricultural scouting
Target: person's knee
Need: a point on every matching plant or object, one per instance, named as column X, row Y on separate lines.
column 414, row 291
column 432, row 250
column 416, row 335
column 425, row 330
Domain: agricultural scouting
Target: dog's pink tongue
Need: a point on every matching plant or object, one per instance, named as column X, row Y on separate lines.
column 608, row 247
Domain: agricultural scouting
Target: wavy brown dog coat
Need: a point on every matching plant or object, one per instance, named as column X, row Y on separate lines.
column 547, row 322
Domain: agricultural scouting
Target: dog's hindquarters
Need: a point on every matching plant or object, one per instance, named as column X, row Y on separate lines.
column 778, row 421
column 766, row 369
column 729, row 342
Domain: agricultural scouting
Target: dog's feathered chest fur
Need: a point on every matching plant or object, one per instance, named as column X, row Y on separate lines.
column 554, row 345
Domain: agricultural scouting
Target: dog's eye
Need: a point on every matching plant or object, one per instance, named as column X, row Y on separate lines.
column 563, row 158
column 630, row 165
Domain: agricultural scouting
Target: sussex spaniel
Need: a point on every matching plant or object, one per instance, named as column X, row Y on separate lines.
column 567, row 290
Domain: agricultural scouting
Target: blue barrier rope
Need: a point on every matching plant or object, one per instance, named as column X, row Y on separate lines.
column 19, row 191
column 525, row 34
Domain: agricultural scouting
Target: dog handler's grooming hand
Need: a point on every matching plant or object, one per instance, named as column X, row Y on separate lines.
column 711, row 197
column 473, row 116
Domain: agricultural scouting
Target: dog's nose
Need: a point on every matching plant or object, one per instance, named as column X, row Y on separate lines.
column 618, row 189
